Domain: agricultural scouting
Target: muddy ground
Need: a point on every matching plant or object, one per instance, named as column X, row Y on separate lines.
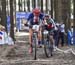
column 18, row 55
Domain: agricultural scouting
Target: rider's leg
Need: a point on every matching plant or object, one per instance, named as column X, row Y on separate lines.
column 30, row 39
column 56, row 38
column 39, row 38
column 62, row 39
column 52, row 40
column 41, row 35
column 51, row 43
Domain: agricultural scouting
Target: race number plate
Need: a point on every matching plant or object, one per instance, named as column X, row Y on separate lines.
column 36, row 27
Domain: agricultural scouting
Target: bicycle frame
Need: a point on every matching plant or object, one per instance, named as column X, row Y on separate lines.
column 47, row 45
column 35, row 39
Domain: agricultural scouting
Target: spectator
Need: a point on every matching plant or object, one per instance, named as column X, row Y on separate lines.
column 56, row 34
column 69, row 36
column 61, row 33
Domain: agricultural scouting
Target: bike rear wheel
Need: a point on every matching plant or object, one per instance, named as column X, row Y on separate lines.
column 35, row 51
column 35, row 47
column 48, row 48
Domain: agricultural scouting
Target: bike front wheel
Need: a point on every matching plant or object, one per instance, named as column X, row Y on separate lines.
column 47, row 48
column 35, row 42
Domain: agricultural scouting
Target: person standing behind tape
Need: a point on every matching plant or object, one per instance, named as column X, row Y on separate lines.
column 56, row 34
column 61, row 33
column 69, row 36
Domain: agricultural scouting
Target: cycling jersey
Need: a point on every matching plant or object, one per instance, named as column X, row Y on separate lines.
column 34, row 19
column 50, row 24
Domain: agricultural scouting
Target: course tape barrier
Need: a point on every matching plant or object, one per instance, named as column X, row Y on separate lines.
column 65, row 51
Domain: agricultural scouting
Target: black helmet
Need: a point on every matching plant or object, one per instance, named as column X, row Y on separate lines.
column 46, row 15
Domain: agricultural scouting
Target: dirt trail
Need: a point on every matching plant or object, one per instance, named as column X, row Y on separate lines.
column 19, row 55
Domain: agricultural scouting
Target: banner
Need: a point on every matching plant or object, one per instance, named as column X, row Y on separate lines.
column 22, row 15
column 8, row 23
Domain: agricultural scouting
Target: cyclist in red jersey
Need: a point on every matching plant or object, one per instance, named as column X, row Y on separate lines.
column 35, row 17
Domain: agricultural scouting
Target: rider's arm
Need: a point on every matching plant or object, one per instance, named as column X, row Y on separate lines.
column 54, row 25
column 41, row 16
column 30, row 16
column 29, row 19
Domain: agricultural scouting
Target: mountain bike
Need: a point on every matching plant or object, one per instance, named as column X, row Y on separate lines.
column 48, row 47
column 35, row 40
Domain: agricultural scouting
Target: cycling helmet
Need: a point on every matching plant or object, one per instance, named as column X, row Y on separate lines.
column 46, row 16
column 36, row 11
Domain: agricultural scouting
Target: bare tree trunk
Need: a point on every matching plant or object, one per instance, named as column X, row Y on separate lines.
column 11, row 20
column 14, row 11
column 3, row 16
column 57, row 10
column 0, row 11
column 52, row 8
column 28, row 5
column 68, row 22
column 0, row 15
column 74, row 16
column 34, row 3
column 41, row 5
column 20, row 5
column 24, row 6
